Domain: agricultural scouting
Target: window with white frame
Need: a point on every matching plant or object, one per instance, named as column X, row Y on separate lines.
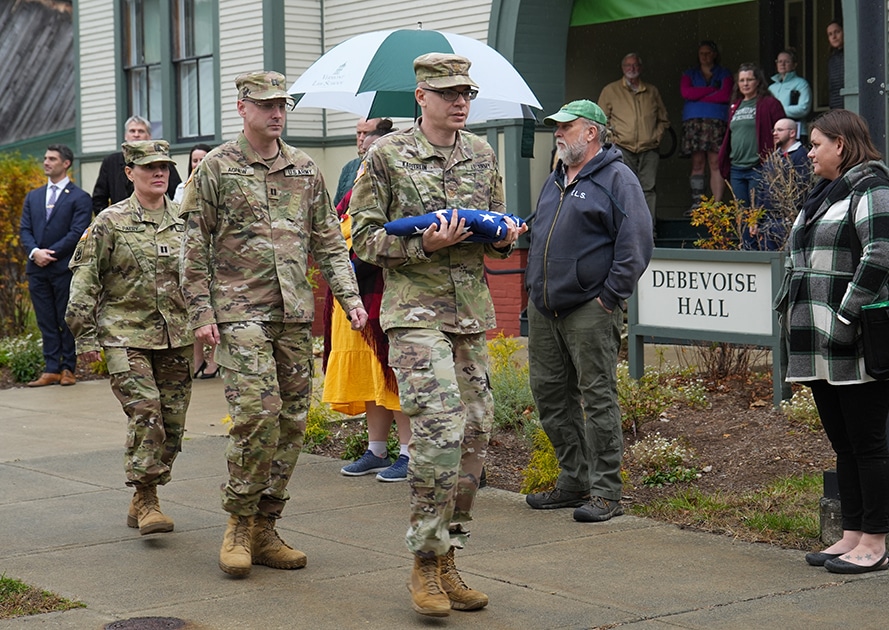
column 193, row 61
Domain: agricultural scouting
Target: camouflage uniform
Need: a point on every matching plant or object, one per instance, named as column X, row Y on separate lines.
column 436, row 309
column 250, row 230
column 125, row 299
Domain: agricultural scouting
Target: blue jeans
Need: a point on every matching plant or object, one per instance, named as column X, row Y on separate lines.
column 744, row 181
column 573, row 376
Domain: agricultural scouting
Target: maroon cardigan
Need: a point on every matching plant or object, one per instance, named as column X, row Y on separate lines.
column 768, row 111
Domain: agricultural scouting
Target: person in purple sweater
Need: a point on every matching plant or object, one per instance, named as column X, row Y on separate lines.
column 706, row 89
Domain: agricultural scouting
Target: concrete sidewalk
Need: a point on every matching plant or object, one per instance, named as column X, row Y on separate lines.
column 62, row 528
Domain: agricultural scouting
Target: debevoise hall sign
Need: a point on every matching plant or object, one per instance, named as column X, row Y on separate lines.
column 728, row 297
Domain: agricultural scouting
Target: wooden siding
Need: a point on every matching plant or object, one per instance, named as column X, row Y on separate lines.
column 240, row 50
column 98, row 100
column 37, row 73
column 302, row 32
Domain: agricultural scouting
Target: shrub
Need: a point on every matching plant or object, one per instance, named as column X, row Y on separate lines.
column 23, row 356
column 18, row 176
column 665, row 461
column 659, row 388
column 543, row 469
column 801, row 409
column 514, row 406
column 724, row 222
column 319, row 418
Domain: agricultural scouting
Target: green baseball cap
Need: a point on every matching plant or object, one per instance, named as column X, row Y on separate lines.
column 577, row 109
column 440, row 70
column 262, row 86
column 144, row 152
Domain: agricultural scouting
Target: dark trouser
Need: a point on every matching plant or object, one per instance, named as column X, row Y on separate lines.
column 644, row 164
column 49, row 295
column 854, row 418
column 573, row 375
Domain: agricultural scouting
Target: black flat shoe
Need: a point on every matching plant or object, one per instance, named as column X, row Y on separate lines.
column 836, row 565
column 210, row 374
column 818, row 558
column 199, row 373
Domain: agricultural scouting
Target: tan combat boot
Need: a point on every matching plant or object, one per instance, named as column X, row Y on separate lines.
column 145, row 512
column 427, row 595
column 462, row 597
column 269, row 550
column 234, row 557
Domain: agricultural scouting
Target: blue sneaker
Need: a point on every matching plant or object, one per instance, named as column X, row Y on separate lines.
column 395, row 472
column 366, row 464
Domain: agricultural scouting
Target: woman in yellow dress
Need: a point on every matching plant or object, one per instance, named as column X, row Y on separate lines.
column 358, row 378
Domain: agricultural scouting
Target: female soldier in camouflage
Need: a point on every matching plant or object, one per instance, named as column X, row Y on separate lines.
column 125, row 299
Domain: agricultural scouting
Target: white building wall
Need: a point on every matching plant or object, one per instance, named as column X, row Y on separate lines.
column 98, row 105
column 240, row 50
column 302, row 19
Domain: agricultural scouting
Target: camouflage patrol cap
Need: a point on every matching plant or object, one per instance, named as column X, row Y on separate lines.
column 262, row 86
column 144, row 152
column 440, row 70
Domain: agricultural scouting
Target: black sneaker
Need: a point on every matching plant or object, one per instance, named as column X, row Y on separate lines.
column 556, row 498
column 597, row 510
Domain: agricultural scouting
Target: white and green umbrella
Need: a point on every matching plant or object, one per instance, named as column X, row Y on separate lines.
column 372, row 75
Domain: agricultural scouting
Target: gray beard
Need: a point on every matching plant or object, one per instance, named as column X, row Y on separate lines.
column 572, row 154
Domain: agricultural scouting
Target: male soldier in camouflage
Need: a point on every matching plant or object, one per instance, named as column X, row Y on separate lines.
column 125, row 298
column 255, row 208
column 436, row 308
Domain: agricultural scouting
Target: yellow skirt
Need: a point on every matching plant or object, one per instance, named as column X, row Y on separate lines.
column 354, row 376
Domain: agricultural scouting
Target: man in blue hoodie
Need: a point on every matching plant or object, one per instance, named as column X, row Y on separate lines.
column 591, row 240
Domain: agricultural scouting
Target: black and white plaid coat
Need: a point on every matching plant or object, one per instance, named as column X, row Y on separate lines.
column 827, row 288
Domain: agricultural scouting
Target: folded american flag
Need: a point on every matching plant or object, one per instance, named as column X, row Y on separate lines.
column 486, row 226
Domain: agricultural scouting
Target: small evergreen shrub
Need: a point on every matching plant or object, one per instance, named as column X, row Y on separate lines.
column 23, row 356
column 543, row 469
column 801, row 409
column 514, row 406
column 665, row 461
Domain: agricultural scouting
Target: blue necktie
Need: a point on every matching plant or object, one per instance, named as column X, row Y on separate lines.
column 53, row 195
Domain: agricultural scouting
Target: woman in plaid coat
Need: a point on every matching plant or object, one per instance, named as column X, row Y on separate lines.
column 839, row 257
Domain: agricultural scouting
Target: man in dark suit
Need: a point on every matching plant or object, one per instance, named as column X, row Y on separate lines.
column 112, row 184
column 53, row 219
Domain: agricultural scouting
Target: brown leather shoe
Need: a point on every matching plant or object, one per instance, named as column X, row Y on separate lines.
column 68, row 378
column 46, row 378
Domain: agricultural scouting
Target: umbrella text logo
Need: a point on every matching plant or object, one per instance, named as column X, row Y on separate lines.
column 333, row 78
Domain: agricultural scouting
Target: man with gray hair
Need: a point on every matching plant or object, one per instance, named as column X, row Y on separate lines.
column 592, row 239
column 112, row 184
column 637, row 120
